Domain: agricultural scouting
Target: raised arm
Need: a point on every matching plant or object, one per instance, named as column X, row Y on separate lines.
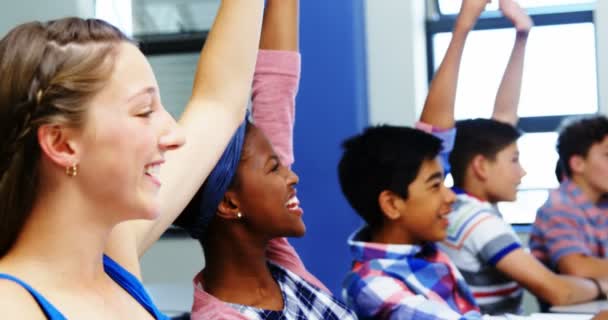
column 438, row 108
column 275, row 86
column 277, row 76
column 507, row 97
column 221, row 90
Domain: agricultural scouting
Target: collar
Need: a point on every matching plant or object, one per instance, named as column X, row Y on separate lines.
column 363, row 250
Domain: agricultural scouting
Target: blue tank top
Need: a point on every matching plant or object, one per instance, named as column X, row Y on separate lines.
column 120, row 275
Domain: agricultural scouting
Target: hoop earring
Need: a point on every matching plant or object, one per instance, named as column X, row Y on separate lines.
column 72, row 170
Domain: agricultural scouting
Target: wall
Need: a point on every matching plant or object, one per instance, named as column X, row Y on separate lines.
column 331, row 105
column 21, row 11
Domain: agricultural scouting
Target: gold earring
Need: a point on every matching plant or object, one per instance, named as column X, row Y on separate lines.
column 239, row 215
column 72, row 170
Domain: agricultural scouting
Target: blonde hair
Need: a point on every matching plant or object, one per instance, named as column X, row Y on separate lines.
column 49, row 71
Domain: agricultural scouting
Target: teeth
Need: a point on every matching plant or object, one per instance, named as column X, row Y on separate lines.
column 152, row 170
column 293, row 202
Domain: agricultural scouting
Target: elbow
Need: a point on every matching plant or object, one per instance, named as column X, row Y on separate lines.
column 556, row 294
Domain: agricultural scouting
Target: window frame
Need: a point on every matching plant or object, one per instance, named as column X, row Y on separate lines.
column 437, row 22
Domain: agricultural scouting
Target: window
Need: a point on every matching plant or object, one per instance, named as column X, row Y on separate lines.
column 559, row 80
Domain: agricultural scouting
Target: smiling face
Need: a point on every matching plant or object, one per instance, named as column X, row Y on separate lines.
column 429, row 201
column 265, row 190
column 126, row 134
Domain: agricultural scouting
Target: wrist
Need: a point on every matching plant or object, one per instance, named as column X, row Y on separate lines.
column 601, row 294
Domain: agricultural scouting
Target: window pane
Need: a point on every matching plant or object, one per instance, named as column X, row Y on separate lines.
column 141, row 17
column 453, row 6
column 559, row 73
column 538, row 156
column 524, row 209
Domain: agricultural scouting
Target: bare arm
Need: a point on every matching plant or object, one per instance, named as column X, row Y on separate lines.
column 509, row 91
column 580, row 265
column 439, row 105
column 217, row 106
column 550, row 287
column 280, row 29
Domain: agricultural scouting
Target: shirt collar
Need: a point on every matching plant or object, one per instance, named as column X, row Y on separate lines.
column 362, row 250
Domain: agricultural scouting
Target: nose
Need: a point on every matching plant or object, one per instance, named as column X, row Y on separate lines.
column 449, row 197
column 292, row 178
column 522, row 171
column 172, row 136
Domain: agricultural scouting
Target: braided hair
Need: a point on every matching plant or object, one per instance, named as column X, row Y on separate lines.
column 49, row 71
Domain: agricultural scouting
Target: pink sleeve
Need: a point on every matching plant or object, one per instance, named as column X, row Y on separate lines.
column 280, row 251
column 275, row 86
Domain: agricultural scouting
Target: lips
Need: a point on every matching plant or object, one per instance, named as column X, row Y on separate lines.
column 153, row 172
column 293, row 205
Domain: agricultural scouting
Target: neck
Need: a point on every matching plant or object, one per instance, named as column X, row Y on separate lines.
column 61, row 243
column 476, row 189
column 588, row 190
column 236, row 267
column 391, row 233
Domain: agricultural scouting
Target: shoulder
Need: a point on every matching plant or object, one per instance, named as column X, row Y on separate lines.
column 17, row 303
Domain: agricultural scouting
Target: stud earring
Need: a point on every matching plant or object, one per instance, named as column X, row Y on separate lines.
column 72, row 170
column 239, row 215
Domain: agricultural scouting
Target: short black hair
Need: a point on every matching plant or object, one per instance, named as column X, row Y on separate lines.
column 474, row 137
column 382, row 158
column 577, row 135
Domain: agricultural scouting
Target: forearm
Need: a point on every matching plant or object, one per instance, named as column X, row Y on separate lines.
column 583, row 266
column 227, row 61
column 280, row 29
column 509, row 91
column 440, row 102
column 565, row 290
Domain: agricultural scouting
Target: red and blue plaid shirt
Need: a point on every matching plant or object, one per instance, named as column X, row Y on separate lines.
column 390, row 281
column 569, row 223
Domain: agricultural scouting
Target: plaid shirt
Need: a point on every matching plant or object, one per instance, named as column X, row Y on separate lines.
column 569, row 223
column 391, row 281
column 302, row 301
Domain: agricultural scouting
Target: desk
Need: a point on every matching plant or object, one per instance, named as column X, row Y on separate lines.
column 588, row 307
column 542, row 316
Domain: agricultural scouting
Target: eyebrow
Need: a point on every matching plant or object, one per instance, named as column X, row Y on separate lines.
column 146, row 90
column 275, row 158
column 434, row 176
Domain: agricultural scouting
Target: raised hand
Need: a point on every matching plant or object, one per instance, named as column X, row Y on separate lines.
column 470, row 10
column 514, row 12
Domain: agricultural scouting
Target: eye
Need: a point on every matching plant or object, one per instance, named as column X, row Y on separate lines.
column 145, row 114
column 275, row 167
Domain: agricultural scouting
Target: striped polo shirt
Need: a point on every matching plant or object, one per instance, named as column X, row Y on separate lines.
column 477, row 239
column 569, row 223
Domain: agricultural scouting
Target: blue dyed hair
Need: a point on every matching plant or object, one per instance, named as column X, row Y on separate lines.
column 202, row 208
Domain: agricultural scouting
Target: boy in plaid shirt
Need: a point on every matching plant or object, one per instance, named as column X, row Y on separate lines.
column 393, row 178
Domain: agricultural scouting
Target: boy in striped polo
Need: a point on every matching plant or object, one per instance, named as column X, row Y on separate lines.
column 486, row 169
column 570, row 234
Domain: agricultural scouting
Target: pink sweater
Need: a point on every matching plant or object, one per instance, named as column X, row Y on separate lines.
column 275, row 85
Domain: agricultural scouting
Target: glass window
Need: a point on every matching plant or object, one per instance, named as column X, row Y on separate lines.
column 139, row 17
column 538, row 156
column 453, row 6
column 559, row 74
column 523, row 211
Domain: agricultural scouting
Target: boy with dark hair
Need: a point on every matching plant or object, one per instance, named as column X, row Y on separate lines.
column 393, row 178
column 570, row 233
column 486, row 170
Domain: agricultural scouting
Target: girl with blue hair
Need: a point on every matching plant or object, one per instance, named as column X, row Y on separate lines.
column 249, row 204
